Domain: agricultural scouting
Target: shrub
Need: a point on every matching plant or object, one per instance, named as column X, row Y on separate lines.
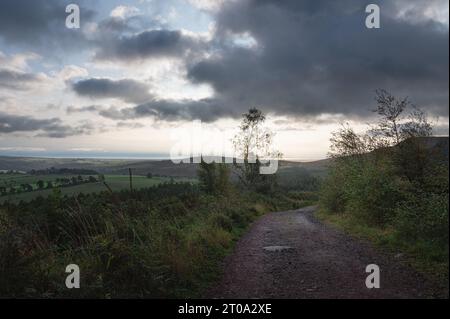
column 214, row 178
column 372, row 193
column 424, row 216
column 332, row 193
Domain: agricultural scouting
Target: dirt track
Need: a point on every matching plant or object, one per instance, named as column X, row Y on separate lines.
column 314, row 261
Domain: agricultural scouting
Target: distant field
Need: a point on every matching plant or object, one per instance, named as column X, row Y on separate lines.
column 18, row 179
column 116, row 182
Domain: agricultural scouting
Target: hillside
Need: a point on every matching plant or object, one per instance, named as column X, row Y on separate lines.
column 440, row 145
column 139, row 167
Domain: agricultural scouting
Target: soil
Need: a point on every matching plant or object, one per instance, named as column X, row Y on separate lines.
column 293, row 255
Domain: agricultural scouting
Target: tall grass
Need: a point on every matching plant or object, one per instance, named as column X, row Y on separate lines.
column 165, row 241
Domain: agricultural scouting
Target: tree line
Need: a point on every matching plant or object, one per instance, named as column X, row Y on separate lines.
column 41, row 185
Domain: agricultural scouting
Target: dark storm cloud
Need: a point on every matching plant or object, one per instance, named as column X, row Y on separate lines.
column 44, row 127
column 62, row 131
column 318, row 57
column 126, row 90
column 148, row 44
column 40, row 24
column 111, row 112
column 15, row 80
column 312, row 57
column 207, row 110
column 111, row 26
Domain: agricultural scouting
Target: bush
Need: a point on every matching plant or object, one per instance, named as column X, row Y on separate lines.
column 373, row 193
column 424, row 217
column 332, row 194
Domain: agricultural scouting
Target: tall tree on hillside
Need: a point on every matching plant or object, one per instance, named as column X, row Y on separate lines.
column 253, row 143
column 398, row 120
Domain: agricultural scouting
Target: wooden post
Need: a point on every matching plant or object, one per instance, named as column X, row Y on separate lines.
column 131, row 179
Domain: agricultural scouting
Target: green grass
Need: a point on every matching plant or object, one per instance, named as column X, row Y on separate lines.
column 115, row 182
column 421, row 255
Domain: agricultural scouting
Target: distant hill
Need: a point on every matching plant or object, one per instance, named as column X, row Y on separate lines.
column 139, row 167
column 440, row 145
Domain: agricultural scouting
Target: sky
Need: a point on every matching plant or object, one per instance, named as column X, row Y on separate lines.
column 138, row 74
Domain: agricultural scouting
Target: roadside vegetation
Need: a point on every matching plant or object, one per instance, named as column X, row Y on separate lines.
column 390, row 184
column 165, row 241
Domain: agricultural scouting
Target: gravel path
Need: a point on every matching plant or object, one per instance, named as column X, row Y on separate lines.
column 292, row 255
